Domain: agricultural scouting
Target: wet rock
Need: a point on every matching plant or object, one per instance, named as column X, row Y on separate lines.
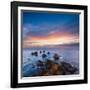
column 56, row 57
column 48, row 67
column 43, row 51
column 44, row 56
column 40, row 52
column 48, row 53
column 56, row 69
column 52, row 69
column 40, row 64
column 68, row 68
column 34, row 53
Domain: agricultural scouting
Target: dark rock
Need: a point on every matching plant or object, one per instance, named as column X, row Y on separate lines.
column 52, row 69
column 34, row 53
column 40, row 52
column 44, row 56
column 48, row 53
column 48, row 64
column 68, row 68
column 56, row 57
column 43, row 51
column 40, row 64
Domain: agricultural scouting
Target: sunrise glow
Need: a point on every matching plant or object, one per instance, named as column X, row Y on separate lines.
column 43, row 29
column 50, row 40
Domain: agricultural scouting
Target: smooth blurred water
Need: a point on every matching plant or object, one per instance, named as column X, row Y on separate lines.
column 67, row 53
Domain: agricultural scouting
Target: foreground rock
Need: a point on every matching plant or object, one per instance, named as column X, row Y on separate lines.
column 52, row 68
column 68, row 68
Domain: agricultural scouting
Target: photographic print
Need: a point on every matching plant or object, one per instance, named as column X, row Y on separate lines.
column 50, row 44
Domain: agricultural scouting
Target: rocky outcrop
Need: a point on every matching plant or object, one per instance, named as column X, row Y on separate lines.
column 53, row 68
column 48, row 67
column 68, row 68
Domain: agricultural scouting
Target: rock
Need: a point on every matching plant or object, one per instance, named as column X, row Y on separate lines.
column 40, row 64
column 48, row 53
column 56, row 57
column 40, row 52
column 44, row 73
column 52, row 69
column 34, row 53
column 44, row 56
column 43, row 51
column 68, row 68
column 48, row 64
column 56, row 69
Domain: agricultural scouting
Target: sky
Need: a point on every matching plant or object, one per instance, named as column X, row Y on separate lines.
column 46, row 28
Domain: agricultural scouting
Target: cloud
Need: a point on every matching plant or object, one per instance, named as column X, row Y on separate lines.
column 45, row 30
column 55, row 38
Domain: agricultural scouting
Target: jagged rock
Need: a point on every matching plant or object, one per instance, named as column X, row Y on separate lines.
column 48, row 67
column 56, row 69
column 68, row 68
column 52, row 69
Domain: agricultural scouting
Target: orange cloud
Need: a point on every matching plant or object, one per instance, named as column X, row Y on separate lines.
column 55, row 38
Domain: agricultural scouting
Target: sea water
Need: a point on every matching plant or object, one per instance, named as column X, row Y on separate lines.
column 67, row 53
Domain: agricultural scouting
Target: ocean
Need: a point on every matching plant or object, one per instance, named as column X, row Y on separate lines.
column 67, row 53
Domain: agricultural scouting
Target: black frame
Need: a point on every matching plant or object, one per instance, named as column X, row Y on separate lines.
column 14, row 44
